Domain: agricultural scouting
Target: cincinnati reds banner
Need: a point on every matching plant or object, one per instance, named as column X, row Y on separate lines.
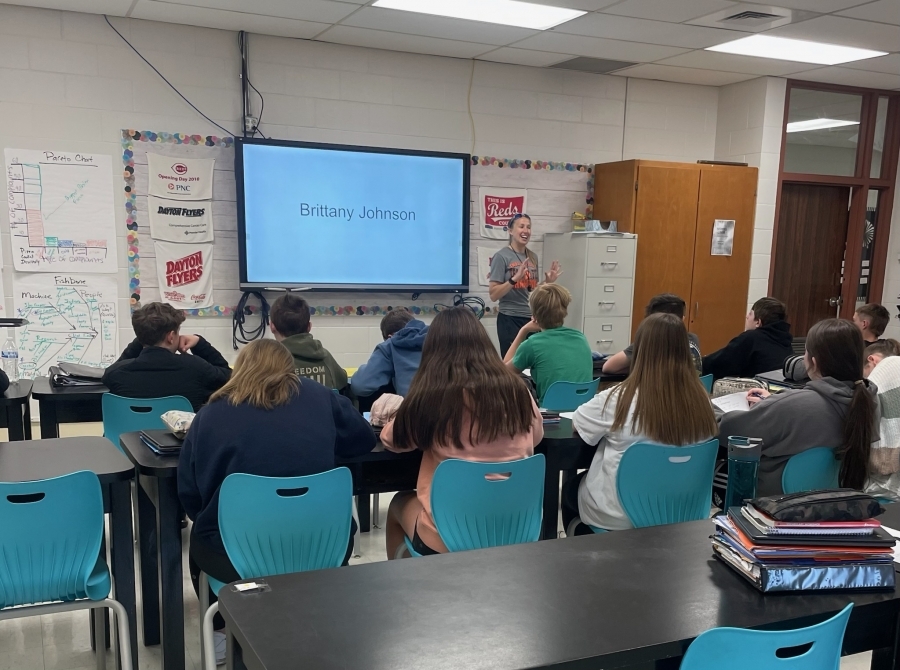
column 185, row 274
column 180, row 178
column 498, row 205
column 180, row 221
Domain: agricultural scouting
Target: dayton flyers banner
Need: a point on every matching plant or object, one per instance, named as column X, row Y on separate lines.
column 180, row 221
column 181, row 178
column 185, row 274
column 498, row 205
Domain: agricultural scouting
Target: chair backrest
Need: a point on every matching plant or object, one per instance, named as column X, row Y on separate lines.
column 811, row 470
column 566, row 396
column 707, row 381
column 479, row 505
column 126, row 415
column 50, row 539
column 815, row 648
column 662, row 484
column 277, row 525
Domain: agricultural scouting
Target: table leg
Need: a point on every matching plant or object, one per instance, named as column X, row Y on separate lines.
column 168, row 534
column 27, row 419
column 364, row 508
column 146, row 529
column 49, row 424
column 234, row 657
column 15, row 423
column 100, row 614
column 122, row 558
column 551, row 503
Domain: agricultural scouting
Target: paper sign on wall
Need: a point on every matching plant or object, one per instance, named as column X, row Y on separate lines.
column 185, row 274
column 484, row 264
column 498, row 205
column 180, row 221
column 180, row 178
column 61, row 216
column 722, row 237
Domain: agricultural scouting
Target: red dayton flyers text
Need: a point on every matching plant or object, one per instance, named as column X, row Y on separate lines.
column 185, row 270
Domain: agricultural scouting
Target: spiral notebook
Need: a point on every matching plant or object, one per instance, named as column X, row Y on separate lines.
column 769, row 526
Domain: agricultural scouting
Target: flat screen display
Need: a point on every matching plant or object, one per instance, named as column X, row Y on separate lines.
column 333, row 217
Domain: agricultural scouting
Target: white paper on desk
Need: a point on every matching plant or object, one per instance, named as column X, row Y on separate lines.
column 566, row 415
column 894, row 533
column 732, row 402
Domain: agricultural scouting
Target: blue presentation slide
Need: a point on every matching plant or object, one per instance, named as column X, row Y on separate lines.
column 317, row 216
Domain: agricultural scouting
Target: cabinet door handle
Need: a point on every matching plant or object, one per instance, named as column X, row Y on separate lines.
column 696, row 309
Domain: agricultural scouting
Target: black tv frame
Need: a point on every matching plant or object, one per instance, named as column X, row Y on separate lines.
column 246, row 285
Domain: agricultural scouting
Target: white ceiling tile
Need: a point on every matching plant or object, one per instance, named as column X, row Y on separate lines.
column 114, row 7
column 380, row 39
column 223, row 20
column 524, row 57
column 883, row 11
column 427, row 25
column 674, row 12
column 889, row 64
column 848, row 77
column 821, row 6
column 849, row 32
column 683, row 75
column 587, row 5
column 596, row 47
column 712, row 60
column 320, row 11
column 650, row 32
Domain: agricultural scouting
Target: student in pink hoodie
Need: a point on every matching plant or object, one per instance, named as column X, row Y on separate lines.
column 463, row 403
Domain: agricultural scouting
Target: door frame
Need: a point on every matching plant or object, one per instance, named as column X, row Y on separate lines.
column 860, row 184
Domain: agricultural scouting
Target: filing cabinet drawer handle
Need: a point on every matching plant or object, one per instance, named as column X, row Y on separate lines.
column 604, row 341
column 613, row 263
column 606, row 302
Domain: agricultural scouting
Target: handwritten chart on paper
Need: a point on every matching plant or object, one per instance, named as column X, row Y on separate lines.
column 61, row 211
column 71, row 318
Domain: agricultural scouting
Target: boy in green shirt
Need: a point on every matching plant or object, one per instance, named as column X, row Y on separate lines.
column 553, row 352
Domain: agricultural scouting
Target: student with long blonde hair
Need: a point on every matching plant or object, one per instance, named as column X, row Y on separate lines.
column 264, row 421
column 463, row 403
column 662, row 401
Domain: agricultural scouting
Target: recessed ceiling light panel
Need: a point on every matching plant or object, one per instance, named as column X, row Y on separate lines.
column 817, row 124
column 782, row 48
column 505, row 12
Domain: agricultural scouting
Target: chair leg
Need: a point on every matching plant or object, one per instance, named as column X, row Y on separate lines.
column 98, row 617
column 209, row 644
column 376, row 517
column 204, row 605
column 124, row 638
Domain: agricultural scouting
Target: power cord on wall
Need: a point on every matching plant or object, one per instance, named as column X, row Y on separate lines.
column 262, row 100
column 473, row 302
column 240, row 333
column 193, row 106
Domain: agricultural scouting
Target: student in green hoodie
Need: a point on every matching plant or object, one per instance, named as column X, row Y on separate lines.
column 290, row 324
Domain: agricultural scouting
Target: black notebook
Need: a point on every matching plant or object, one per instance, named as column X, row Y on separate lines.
column 879, row 538
column 161, row 441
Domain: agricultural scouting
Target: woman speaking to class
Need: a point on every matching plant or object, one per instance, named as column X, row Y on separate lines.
column 513, row 277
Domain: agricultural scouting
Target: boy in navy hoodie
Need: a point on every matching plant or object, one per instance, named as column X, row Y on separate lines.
column 394, row 361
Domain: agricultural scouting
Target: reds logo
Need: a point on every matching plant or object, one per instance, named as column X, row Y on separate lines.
column 498, row 210
column 180, row 168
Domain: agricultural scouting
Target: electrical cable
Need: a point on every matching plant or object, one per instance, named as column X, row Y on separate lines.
column 164, row 79
column 262, row 100
column 473, row 302
column 240, row 334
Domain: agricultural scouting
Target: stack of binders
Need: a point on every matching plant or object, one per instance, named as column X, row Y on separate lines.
column 804, row 556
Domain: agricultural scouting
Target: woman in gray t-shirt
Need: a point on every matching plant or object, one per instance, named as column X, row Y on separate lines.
column 514, row 272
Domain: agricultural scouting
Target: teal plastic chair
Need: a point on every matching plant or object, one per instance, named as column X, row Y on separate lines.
column 126, row 415
column 814, row 648
column 567, row 396
column 811, row 470
column 50, row 552
column 707, row 381
column 480, row 505
column 278, row 525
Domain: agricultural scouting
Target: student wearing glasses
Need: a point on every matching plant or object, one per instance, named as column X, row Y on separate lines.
column 514, row 275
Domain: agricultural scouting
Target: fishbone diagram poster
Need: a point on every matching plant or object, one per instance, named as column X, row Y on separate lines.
column 61, row 211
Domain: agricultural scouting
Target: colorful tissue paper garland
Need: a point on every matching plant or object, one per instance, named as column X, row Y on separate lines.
column 129, row 137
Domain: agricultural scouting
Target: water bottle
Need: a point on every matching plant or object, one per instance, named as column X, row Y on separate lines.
column 743, row 467
column 10, row 355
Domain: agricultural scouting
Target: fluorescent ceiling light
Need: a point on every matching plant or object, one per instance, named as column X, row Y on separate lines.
column 817, row 124
column 506, row 12
column 781, row 48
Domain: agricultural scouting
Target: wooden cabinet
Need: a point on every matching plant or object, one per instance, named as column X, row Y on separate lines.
column 672, row 207
column 598, row 270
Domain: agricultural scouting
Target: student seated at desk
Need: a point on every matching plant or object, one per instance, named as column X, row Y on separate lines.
column 662, row 401
column 265, row 421
column 664, row 303
column 394, row 361
column 884, row 459
column 156, row 364
column 4, row 382
column 553, row 353
column 877, row 352
column 836, row 409
column 462, row 403
column 872, row 320
column 290, row 324
column 762, row 347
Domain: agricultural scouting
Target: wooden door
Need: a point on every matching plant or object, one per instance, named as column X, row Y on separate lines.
column 718, row 302
column 809, row 252
column 665, row 223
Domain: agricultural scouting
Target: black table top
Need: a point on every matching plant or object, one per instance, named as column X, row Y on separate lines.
column 618, row 595
column 17, row 393
column 42, row 390
column 145, row 459
column 29, row 460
